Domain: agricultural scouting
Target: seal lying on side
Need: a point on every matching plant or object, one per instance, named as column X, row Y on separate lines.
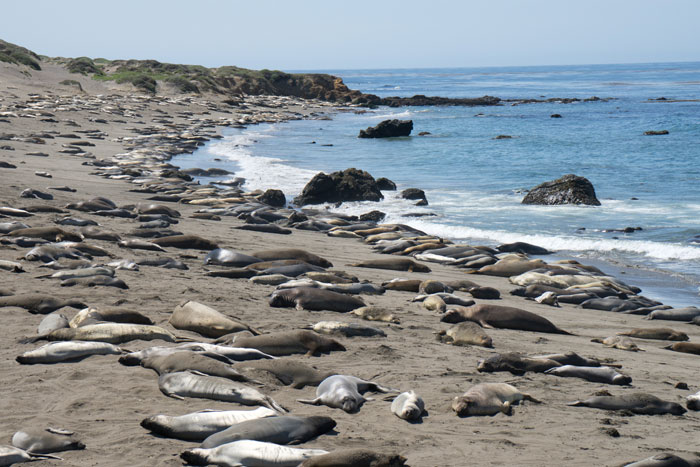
column 618, row 342
column 355, row 458
column 664, row 334
column 313, row 299
column 603, row 374
column 664, row 459
column 279, row 430
column 346, row 329
column 10, row 455
column 292, row 253
column 516, row 364
column 113, row 333
column 198, row 426
column 39, row 303
column 685, row 347
column 186, row 242
column 344, row 392
column 289, row 372
column 289, row 342
column 62, row 351
column 489, row 399
column 394, row 264
column 46, row 441
column 92, row 315
column 408, row 406
column 466, row 333
column 250, row 453
column 505, row 317
column 638, row 403
column 193, row 316
column 185, row 360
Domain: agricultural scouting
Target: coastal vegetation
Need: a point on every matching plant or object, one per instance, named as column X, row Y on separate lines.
column 12, row 53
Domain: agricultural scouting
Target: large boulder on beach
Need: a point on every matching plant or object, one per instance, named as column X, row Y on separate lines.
column 388, row 129
column 348, row 185
column 274, row 198
column 569, row 189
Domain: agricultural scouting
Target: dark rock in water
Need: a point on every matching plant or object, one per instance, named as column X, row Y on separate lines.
column 522, row 247
column 388, row 129
column 348, row 185
column 413, row 193
column 374, row 216
column 385, row 184
column 273, row 198
column 656, row 133
column 423, row 202
column 555, row 116
column 569, row 189
column 424, row 133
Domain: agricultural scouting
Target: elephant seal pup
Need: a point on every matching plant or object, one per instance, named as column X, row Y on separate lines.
column 685, row 347
column 313, row 299
column 194, row 242
column 292, row 253
column 637, row 403
column 516, row 364
column 283, row 343
column 136, row 244
column 489, row 399
column 504, row 317
column 664, row 459
column 198, row 426
column 250, row 453
column 346, row 329
column 344, row 392
column 224, row 257
column 408, row 406
column 693, row 401
column 186, row 360
column 193, row 316
column 373, row 313
column 466, row 333
column 39, row 303
column 183, row 384
column 618, row 342
column 355, row 458
column 63, row 351
column 92, row 315
column 434, row 303
column 393, row 264
column 293, row 373
column 603, row 374
column 46, row 441
column 664, row 334
column 279, row 430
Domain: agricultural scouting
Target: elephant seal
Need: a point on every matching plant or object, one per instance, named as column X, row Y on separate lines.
column 92, row 315
column 515, row 363
column 570, row 358
column 293, row 373
column 504, row 317
column 279, row 430
column 408, row 406
column 430, row 286
column 250, row 453
column 193, row 242
column 693, row 401
column 466, row 333
column 664, row 334
column 675, row 314
column 99, row 234
column 193, row 316
column 51, row 253
column 51, row 322
column 63, row 351
column 222, row 353
column 224, row 257
column 136, row 244
column 291, row 270
column 664, row 459
column 52, row 234
column 46, row 441
column 393, row 264
column 292, row 253
column 355, row 458
column 524, row 248
column 289, row 342
column 484, row 293
column 489, row 399
column 195, row 361
column 373, row 313
column 403, row 285
column 94, row 281
column 511, row 266
column 346, row 329
column 39, row 303
column 10, row 455
column 618, row 342
column 313, row 299
column 685, row 347
column 165, row 263
column 198, row 426
column 434, row 303
column 183, row 384
column 112, row 333
column 637, row 403
column 603, row 374
column 344, row 392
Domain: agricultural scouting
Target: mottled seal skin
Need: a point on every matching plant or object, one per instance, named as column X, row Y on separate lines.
column 516, row 364
column 489, row 399
column 665, row 459
column 618, row 342
column 313, row 299
column 289, row 342
column 344, row 392
column 408, row 406
column 204, row 320
column 185, row 360
column 293, row 373
column 39, row 303
column 601, row 374
column 292, row 253
column 372, row 313
column 466, row 333
column 279, row 430
column 685, row 347
column 355, row 458
column 665, row 334
column 194, row 242
column 505, row 317
column 347, row 329
column 95, row 281
column 393, row 264
column 46, row 441
column 250, row 453
column 637, row 403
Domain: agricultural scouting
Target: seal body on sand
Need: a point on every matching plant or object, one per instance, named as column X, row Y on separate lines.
column 618, row 342
column 466, row 333
column 250, row 453
column 46, row 441
column 224, row 257
column 113, row 333
column 411, row 285
column 292, row 253
column 603, row 374
column 638, row 403
column 344, row 392
column 685, row 347
column 204, row 320
column 489, row 399
column 516, row 364
column 92, row 315
column 408, row 406
column 194, row 242
column 347, row 329
column 39, row 303
column 10, row 455
column 51, row 322
column 373, row 313
column 505, row 317
column 313, row 299
column 355, row 458
column 665, row 334
column 289, row 342
column 198, row 426
column 279, row 430
column 663, row 460
column 570, row 358
column 185, row 360
column 290, row 372
column 394, row 264
column 675, row 314
column 62, row 351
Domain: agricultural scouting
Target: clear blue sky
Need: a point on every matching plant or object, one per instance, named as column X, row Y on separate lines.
column 314, row 35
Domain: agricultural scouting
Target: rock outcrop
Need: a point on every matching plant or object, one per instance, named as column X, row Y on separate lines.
column 569, row 189
column 388, row 129
column 348, row 185
column 273, row 197
column 385, row 184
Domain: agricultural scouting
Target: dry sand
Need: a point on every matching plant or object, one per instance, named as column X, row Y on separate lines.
column 103, row 401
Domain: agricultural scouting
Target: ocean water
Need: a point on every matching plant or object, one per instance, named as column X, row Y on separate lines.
column 475, row 183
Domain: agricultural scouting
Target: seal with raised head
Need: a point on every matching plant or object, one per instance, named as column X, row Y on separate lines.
column 504, row 317
column 602, row 374
column 637, row 403
column 250, row 453
column 466, row 333
column 313, row 299
column 344, row 392
column 46, row 441
column 202, row 319
column 489, row 399
column 289, row 342
column 355, row 458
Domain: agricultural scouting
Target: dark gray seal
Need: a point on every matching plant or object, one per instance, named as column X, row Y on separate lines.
column 515, row 363
column 289, row 342
column 195, row 361
column 289, row 372
column 393, row 264
column 313, row 299
column 39, row 303
column 637, row 403
column 355, row 458
column 293, row 253
column 194, row 242
column 504, row 317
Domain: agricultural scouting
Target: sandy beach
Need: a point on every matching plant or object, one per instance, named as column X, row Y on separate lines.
column 103, row 402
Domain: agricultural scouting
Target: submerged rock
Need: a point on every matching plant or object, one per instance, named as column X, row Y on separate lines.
column 388, row 129
column 348, row 185
column 569, row 189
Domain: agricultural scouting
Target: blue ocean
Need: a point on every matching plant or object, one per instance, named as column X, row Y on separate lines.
column 475, row 183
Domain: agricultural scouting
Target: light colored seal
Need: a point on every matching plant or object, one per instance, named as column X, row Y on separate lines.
column 408, row 406
column 224, row 257
column 675, row 314
column 466, row 333
column 250, row 453
column 63, row 351
column 344, row 392
column 603, row 374
column 46, row 441
column 664, row 459
column 489, row 399
column 393, row 264
column 637, row 402
column 693, row 401
column 373, row 313
column 618, row 342
column 202, row 319
column 52, row 322
column 434, row 303
column 10, row 455
column 198, row 426
column 347, row 329
column 113, row 333
column 505, row 317
column 355, row 458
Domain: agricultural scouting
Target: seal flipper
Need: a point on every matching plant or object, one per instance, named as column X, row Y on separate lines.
column 577, row 404
column 485, row 325
column 271, row 404
column 528, row 397
column 316, row 401
column 60, row 431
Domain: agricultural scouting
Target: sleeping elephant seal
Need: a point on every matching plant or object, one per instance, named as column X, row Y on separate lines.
column 313, row 299
column 344, row 392
column 639, row 403
column 92, row 315
column 355, row 458
column 664, row 459
column 194, row 242
column 224, row 257
column 685, row 347
column 292, row 253
column 52, row 234
column 289, row 372
column 289, row 342
column 279, row 430
column 249, row 453
column 618, row 342
column 408, row 406
column 516, row 364
column 393, row 264
column 489, row 399
column 186, row 360
column 46, row 441
column 504, row 317
column 466, row 333
column 39, row 303
column 664, row 334
column 602, row 374
column 204, row 320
